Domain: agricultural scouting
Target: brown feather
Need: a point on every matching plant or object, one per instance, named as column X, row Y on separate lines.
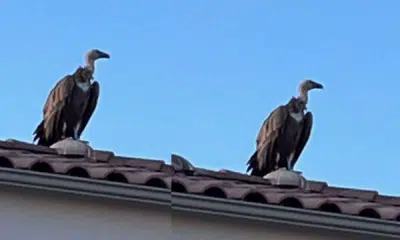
column 305, row 135
column 91, row 106
column 268, row 141
column 280, row 134
column 49, row 130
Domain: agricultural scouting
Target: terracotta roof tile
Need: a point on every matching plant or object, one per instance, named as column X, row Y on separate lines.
column 388, row 200
column 182, row 176
column 350, row 193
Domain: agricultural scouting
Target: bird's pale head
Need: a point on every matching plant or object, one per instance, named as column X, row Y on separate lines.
column 95, row 54
column 92, row 56
column 307, row 85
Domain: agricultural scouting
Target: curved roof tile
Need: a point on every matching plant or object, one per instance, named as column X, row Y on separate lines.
column 107, row 166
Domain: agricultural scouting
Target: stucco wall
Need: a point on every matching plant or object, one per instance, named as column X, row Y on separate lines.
column 34, row 215
column 40, row 215
column 201, row 227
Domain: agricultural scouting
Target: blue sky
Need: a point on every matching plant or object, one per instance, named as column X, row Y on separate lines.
column 198, row 78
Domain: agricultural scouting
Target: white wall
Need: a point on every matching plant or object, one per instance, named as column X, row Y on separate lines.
column 200, row 227
column 34, row 215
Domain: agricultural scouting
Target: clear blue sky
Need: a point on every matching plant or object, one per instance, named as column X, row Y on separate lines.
column 199, row 77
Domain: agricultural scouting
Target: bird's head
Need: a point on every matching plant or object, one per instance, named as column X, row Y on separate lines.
column 92, row 56
column 307, row 85
column 95, row 54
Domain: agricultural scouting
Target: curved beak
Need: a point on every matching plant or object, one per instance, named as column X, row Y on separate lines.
column 318, row 86
column 104, row 55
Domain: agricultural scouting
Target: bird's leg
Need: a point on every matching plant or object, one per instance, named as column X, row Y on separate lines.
column 286, row 164
column 76, row 130
column 278, row 157
column 290, row 162
column 290, row 167
column 75, row 135
column 282, row 161
column 64, row 128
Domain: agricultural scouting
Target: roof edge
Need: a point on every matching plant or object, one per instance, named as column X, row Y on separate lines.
column 84, row 187
column 197, row 204
column 285, row 215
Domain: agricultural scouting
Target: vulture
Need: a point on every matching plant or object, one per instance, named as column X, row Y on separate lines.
column 70, row 104
column 283, row 134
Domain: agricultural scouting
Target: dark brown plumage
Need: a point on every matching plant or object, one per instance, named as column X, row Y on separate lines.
column 70, row 104
column 283, row 134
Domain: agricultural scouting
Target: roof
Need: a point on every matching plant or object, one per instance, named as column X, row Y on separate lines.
column 224, row 184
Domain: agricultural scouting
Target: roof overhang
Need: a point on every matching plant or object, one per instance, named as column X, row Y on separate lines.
column 198, row 204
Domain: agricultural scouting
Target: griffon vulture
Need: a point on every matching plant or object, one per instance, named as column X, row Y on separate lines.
column 283, row 134
column 70, row 104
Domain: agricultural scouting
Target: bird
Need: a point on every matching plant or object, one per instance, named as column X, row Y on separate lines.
column 284, row 134
column 70, row 104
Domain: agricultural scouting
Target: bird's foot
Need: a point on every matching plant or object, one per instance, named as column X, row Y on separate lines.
column 289, row 167
column 76, row 137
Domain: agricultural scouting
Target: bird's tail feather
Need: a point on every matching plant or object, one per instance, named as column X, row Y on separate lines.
column 40, row 135
column 252, row 165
